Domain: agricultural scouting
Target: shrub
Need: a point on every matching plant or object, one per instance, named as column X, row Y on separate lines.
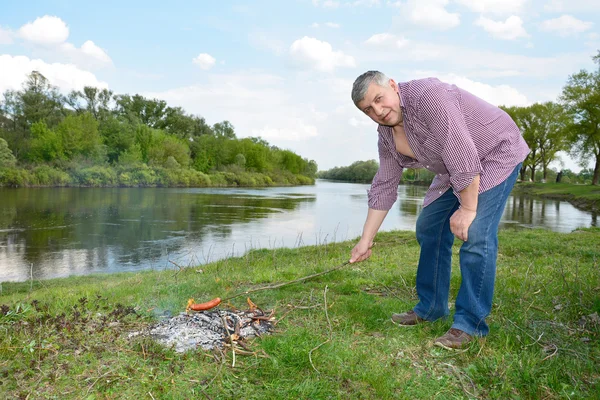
column 95, row 176
column 45, row 175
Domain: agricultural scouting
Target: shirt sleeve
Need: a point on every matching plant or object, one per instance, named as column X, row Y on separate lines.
column 384, row 188
column 440, row 110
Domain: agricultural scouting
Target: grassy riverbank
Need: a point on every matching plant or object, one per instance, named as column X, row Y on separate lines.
column 66, row 338
column 585, row 197
column 142, row 175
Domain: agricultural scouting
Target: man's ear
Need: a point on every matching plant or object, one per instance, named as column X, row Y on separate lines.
column 393, row 85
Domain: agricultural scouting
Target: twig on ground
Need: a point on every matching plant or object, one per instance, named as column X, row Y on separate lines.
column 553, row 354
column 458, row 374
column 178, row 266
column 96, row 381
column 230, row 339
column 288, row 282
column 330, row 331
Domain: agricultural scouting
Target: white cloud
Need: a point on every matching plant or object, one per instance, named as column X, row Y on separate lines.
column 297, row 130
column 352, row 3
column 319, row 55
column 89, row 48
column 326, row 3
column 66, row 77
column 49, row 35
column 510, row 29
column 46, row 30
column 497, row 95
column 571, row 6
column 262, row 105
column 384, row 39
column 204, row 61
column 485, row 63
column 494, row 6
column 6, row 36
column 430, row 14
column 565, row 25
column 361, row 121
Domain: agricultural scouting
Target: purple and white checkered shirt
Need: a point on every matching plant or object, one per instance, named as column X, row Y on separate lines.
column 452, row 133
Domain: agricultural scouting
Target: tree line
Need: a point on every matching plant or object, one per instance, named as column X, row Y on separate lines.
column 96, row 137
column 571, row 124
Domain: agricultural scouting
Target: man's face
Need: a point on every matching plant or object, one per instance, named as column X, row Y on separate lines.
column 382, row 104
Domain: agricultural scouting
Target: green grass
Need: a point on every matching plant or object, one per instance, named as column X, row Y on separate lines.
column 586, row 197
column 67, row 338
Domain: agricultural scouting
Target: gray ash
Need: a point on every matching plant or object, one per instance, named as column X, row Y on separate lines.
column 205, row 329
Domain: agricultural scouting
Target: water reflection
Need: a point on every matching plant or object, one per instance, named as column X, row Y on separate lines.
column 57, row 232
column 559, row 216
column 48, row 233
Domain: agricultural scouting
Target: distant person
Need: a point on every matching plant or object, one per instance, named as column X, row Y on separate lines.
column 476, row 150
column 559, row 176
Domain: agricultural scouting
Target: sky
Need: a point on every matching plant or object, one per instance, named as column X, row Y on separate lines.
column 283, row 70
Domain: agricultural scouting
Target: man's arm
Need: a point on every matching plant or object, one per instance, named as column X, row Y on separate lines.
column 362, row 250
column 462, row 219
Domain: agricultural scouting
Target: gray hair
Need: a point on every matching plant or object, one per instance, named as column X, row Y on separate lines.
column 362, row 83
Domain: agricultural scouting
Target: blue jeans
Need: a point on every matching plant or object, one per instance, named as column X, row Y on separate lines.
column 477, row 258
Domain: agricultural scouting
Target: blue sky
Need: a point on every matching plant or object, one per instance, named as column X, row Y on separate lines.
column 283, row 70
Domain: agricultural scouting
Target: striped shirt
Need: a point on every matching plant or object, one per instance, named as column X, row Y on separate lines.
column 452, row 133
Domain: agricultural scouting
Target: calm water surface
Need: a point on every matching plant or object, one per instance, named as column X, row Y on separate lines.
column 56, row 232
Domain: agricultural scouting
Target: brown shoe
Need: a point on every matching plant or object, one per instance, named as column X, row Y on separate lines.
column 453, row 339
column 409, row 318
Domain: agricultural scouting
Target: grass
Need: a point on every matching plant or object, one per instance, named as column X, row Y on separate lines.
column 67, row 338
column 586, row 197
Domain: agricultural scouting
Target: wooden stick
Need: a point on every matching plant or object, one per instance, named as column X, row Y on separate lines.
column 286, row 283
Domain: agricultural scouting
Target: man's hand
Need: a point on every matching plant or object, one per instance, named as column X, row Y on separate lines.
column 460, row 222
column 361, row 251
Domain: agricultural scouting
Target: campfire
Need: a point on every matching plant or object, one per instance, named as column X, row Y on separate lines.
column 210, row 329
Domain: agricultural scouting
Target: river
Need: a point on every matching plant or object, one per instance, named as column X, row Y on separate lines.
column 56, row 232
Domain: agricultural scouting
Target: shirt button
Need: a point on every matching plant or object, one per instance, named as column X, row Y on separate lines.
column 440, row 192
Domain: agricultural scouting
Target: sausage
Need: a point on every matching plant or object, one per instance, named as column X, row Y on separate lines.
column 204, row 306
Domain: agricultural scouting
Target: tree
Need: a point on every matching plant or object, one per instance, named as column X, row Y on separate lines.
column 518, row 114
column 224, row 129
column 7, row 159
column 543, row 126
column 581, row 98
column 38, row 101
column 79, row 136
column 95, row 101
column 46, row 145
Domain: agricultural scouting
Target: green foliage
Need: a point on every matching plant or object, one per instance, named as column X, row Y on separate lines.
column 118, row 136
column 359, row 171
column 162, row 147
column 420, row 175
column 581, row 97
column 143, row 135
column 44, row 175
column 15, row 177
column 79, row 136
column 46, row 145
column 7, row 159
column 95, row 176
column 544, row 127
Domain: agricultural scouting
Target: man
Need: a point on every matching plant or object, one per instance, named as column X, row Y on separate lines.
column 476, row 150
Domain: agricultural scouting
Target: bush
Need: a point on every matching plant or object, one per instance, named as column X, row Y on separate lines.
column 45, row 175
column 95, row 176
column 15, row 177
